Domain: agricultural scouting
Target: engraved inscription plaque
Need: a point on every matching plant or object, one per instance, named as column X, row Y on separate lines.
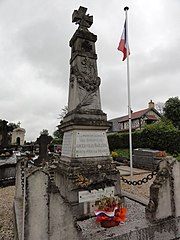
column 91, row 144
column 94, row 195
column 67, row 144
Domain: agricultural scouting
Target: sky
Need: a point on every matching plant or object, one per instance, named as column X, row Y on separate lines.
column 35, row 53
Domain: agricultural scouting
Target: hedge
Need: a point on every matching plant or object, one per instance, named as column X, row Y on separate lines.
column 160, row 140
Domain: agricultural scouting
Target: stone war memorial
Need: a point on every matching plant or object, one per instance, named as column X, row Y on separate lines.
column 85, row 150
column 56, row 198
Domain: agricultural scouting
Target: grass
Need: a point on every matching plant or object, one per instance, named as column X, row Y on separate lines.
column 178, row 157
column 123, row 152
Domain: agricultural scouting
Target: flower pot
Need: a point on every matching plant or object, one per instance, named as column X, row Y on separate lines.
column 109, row 223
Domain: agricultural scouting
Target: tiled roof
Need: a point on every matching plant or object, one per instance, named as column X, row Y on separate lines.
column 139, row 114
column 134, row 115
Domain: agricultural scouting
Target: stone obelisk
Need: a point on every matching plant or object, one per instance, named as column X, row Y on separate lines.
column 85, row 124
column 85, row 150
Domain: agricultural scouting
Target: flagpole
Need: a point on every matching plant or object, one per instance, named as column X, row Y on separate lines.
column 129, row 96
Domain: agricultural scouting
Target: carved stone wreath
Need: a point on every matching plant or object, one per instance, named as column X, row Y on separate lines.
column 87, row 77
column 88, row 81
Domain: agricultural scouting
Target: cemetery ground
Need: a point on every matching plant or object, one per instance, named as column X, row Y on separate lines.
column 6, row 212
column 7, row 196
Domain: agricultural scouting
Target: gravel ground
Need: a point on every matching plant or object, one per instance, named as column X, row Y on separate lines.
column 139, row 190
column 6, row 213
column 7, row 195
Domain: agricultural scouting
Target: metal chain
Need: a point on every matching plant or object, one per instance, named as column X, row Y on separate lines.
column 141, row 181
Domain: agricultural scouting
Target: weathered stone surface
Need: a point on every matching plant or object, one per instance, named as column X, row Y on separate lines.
column 62, row 223
column 176, row 185
column 37, row 206
column 85, row 143
column 43, row 142
column 98, row 172
column 135, row 227
column 85, row 150
column 164, row 196
column 146, row 158
column 60, row 215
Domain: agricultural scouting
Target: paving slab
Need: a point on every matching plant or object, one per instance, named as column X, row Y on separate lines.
column 125, row 170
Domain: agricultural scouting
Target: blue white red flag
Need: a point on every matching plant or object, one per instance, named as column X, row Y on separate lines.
column 108, row 214
column 123, row 43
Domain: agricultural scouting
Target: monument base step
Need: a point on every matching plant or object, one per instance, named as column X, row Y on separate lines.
column 135, row 227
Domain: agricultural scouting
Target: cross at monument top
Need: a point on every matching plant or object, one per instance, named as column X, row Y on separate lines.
column 79, row 17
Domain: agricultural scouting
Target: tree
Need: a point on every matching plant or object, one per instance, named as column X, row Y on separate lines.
column 58, row 133
column 44, row 132
column 12, row 126
column 160, row 107
column 172, row 111
column 64, row 111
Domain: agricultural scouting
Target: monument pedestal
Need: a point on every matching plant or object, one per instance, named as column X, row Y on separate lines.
column 82, row 181
column 86, row 170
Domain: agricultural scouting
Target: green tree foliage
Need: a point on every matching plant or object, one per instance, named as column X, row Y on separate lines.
column 12, row 126
column 172, row 111
column 160, row 136
column 58, row 135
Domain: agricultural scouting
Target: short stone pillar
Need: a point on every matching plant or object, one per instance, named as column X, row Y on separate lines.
column 164, row 192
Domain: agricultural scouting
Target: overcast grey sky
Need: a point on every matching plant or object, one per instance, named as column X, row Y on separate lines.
column 35, row 53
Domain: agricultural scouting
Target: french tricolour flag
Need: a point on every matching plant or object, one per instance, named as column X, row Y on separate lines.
column 123, row 44
column 108, row 214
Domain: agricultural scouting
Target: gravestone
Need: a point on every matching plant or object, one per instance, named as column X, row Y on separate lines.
column 43, row 142
column 146, row 158
column 85, row 151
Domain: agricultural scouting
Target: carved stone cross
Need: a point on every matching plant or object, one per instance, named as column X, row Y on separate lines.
column 4, row 130
column 79, row 17
column 43, row 141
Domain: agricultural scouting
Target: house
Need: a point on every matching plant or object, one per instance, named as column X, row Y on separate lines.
column 138, row 119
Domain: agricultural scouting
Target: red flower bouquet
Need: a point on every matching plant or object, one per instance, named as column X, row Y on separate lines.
column 111, row 211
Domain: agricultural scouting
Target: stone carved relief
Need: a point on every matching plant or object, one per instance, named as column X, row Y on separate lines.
column 87, row 79
column 86, row 46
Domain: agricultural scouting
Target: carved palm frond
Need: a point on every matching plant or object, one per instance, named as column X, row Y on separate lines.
column 86, row 98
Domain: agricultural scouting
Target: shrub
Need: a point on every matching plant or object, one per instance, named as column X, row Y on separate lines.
column 160, row 136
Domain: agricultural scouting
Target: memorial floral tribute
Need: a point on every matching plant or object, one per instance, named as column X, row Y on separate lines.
column 114, row 155
column 110, row 211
